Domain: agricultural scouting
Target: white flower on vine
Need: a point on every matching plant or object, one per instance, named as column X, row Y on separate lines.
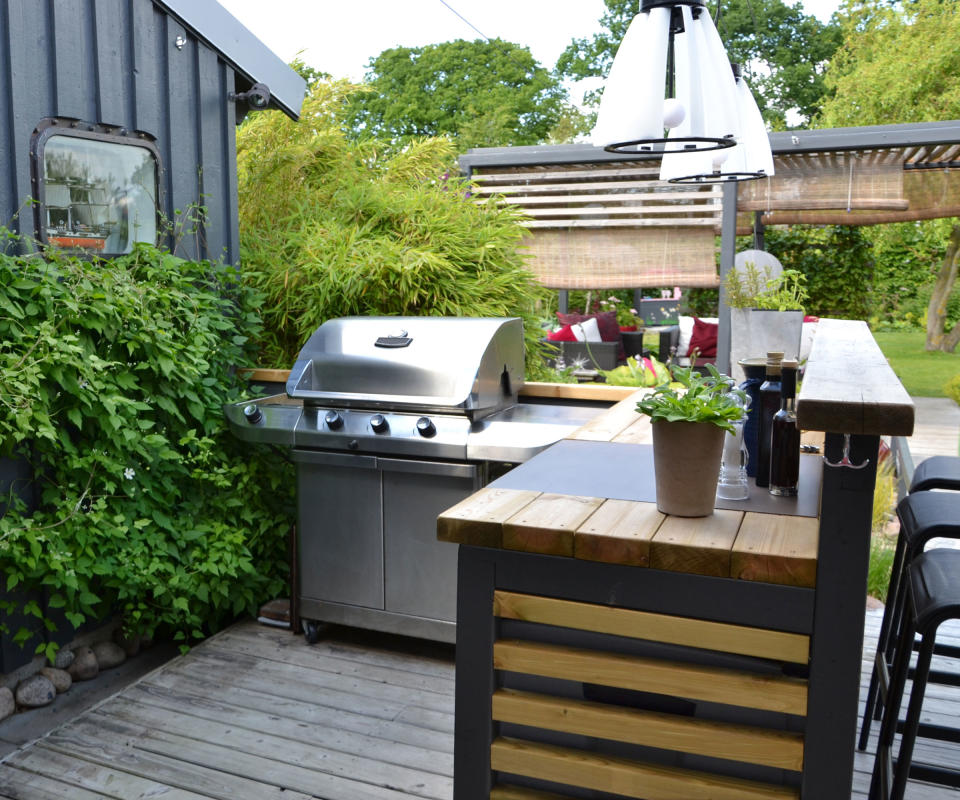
column 84, row 384
column 128, row 473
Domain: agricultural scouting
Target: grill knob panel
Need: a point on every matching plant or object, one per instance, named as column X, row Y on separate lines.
column 334, row 420
column 379, row 423
column 425, row 427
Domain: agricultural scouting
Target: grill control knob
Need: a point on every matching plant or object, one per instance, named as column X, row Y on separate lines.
column 425, row 427
column 253, row 413
column 334, row 420
column 379, row 423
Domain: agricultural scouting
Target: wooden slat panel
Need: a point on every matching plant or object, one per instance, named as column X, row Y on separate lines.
column 640, row 432
column 674, row 678
column 586, row 186
column 611, row 422
column 547, row 524
column 618, row 532
column 637, row 211
column 623, row 776
column 578, row 391
column 619, row 223
column 504, row 792
column 698, row 545
column 719, row 636
column 771, row 748
column 776, row 549
column 846, row 363
column 564, row 174
column 479, row 519
column 682, row 200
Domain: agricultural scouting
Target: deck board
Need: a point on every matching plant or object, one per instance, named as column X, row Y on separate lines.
column 256, row 713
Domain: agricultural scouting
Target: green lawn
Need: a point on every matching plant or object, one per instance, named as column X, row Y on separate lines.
column 922, row 374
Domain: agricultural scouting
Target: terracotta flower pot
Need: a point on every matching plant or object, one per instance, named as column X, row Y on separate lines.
column 686, row 463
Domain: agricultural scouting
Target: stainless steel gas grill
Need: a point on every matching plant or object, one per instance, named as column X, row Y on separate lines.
column 392, row 420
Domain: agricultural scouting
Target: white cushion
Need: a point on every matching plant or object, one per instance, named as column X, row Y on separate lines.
column 586, row 331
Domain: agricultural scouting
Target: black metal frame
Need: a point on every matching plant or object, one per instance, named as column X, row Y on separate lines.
column 77, row 129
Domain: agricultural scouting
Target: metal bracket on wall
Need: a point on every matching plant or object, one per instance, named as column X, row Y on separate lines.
column 845, row 458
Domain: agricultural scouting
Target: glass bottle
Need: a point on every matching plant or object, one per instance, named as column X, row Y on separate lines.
column 785, row 436
column 769, row 405
column 732, row 483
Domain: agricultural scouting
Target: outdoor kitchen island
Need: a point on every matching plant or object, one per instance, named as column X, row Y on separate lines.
column 603, row 647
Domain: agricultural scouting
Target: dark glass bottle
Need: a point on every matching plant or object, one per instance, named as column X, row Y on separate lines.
column 785, row 437
column 769, row 405
column 755, row 370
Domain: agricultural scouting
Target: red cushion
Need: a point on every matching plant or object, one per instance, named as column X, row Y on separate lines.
column 565, row 334
column 809, row 318
column 628, row 328
column 606, row 322
column 704, row 338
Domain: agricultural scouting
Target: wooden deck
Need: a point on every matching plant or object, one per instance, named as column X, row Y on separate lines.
column 255, row 713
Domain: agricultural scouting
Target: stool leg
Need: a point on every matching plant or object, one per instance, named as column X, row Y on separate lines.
column 879, row 784
column 896, row 598
column 874, row 705
column 902, row 771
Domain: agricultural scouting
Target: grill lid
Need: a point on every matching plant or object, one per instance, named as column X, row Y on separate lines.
column 471, row 366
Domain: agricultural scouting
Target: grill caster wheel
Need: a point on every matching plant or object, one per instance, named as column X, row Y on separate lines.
column 311, row 631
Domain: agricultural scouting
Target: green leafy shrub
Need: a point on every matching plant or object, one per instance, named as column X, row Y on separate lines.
column 882, row 544
column 952, row 389
column 112, row 377
column 332, row 228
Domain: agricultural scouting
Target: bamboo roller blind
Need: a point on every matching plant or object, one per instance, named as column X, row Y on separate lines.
column 890, row 185
column 610, row 226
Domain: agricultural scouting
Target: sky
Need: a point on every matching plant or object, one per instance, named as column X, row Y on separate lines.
column 341, row 37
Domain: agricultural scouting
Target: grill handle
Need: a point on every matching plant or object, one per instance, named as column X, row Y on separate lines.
column 334, row 459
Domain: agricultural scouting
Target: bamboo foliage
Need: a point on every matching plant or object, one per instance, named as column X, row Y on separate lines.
column 332, row 228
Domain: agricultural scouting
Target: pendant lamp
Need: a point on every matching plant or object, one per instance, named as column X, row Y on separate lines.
column 671, row 92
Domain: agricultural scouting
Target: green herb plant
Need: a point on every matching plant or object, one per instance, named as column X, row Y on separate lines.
column 749, row 287
column 637, row 372
column 693, row 397
column 112, row 378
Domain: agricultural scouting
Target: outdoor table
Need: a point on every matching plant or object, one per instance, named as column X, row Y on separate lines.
column 603, row 646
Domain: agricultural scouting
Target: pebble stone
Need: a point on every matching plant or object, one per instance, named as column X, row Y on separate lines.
column 35, row 692
column 64, row 658
column 130, row 644
column 7, row 704
column 60, row 678
column 109, row 654
column 84, row 666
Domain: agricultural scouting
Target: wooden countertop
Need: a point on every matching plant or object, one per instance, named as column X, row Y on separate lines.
column 749, row 545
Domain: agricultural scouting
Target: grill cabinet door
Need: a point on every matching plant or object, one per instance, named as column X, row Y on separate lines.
column 340, row 529
column 421, row 572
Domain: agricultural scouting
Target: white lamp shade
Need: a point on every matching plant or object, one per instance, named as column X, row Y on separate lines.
column 753, row 133
column 632, row 104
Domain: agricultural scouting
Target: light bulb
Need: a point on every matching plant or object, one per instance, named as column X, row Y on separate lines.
column 674, row 112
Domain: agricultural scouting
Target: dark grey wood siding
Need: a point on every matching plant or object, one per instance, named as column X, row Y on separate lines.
column 128, row 64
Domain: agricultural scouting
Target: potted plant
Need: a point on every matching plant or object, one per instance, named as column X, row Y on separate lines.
column 766, row 312
column 690, row 418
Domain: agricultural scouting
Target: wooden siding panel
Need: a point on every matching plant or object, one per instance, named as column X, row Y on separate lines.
column 149, row 73
column 113, row 67
column 75, row 72
column 210, row 100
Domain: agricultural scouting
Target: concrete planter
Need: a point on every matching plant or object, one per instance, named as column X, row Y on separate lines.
column 754, row 333
column 686, row 464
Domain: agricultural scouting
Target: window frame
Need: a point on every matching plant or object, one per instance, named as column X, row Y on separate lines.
column 110, row 134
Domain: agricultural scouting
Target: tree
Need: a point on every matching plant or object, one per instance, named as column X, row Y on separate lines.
column 782, row 51
column 331, row 227
column 900, row 63
column 482, row 93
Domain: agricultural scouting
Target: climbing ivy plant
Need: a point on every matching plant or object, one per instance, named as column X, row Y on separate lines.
column 112, row 378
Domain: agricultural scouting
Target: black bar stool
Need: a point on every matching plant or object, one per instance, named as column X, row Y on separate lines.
column 932, row 598
column 923, row 515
